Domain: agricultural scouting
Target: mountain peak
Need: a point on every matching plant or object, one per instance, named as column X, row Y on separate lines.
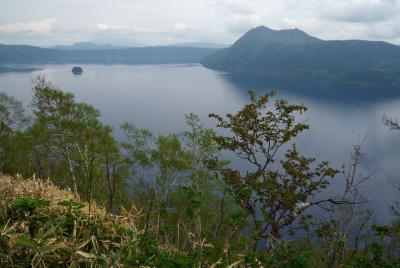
column 262, row 35
column 261, row 28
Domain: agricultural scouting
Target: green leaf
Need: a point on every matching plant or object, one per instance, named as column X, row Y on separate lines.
column 25, row 242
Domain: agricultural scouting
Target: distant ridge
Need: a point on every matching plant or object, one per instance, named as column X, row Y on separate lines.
column 24, row 54
column 88, row 46
column 199, row 45
column 293, row 54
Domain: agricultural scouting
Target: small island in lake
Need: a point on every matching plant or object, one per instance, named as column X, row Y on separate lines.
column 77, row 70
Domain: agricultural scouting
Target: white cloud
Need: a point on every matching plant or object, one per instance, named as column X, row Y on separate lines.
column 165, row 34
column 235, row 8
column 106, row 27
column 163, row 21
column 360, row 11
column 340, row 19
column 238, row 24
column 103, row 27
column 42, row 27
column 180, row 27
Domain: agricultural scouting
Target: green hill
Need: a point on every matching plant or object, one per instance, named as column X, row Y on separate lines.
column 292, row 54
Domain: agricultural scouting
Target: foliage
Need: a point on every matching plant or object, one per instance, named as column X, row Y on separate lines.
column 174, row 200
column 11, row 114
column 55, row 238
column 272, row 196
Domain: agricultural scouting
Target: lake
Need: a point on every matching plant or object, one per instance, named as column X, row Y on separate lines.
column 158, row 96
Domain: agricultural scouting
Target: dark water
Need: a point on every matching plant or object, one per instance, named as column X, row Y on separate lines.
column 158, row 96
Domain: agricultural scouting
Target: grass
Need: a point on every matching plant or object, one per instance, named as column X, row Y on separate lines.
column 44, row 226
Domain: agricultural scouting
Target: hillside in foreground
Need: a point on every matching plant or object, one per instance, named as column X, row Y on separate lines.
column 44, row 226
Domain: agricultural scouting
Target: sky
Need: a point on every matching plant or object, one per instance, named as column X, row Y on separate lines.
column 161, row 22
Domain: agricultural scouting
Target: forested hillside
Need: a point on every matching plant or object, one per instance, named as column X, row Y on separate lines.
column 176, row 200
column 292, row 54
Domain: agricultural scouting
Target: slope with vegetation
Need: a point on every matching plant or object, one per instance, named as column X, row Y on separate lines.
column 43, row 226
column 292, row 54
column 174, row 200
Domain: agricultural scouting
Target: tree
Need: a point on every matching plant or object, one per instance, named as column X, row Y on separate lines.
column 12, row 120
column 278, row 186
column 170, row 158
column 12, row 114
column 346, row 229
column 74, row 132
column 201, row 147
column 136, row 151
column 114, row 166
column 136, row 148
column 69, row 124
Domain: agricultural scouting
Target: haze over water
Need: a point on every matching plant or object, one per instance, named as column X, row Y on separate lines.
column 158, row 96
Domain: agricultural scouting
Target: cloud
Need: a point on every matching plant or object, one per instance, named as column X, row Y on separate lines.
column 239, row 24
column 180, row 27
column 360, row 11
column 103, row 27
column 235, row 8
column 106, row 27
column 184, row 28
column 331, row 30
column 206, row 20
column 43, row 27
column 165, row 34
column 340, row 19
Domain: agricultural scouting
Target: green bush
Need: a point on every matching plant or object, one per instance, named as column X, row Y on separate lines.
column 39, row 235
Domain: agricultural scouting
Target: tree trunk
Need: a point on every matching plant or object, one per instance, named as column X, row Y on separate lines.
column 71, row 170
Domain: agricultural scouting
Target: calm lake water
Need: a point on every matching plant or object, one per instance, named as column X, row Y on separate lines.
column 158, row 96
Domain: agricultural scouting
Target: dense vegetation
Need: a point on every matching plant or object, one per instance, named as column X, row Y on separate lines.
column 23, row 54
column 292, row 54
column 49, row 227
column 175, row 200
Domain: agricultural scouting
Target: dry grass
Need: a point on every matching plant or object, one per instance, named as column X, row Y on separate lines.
column 96, row 236
column 105, row 242
column 12, row 187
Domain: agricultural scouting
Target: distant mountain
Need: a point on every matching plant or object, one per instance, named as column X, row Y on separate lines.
column 199, row 45
column 24, row 54
column 98, row 46
column 17, row 69
column 293, row 54
column 118, row 41
column 87, row 46
column 263, row 35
